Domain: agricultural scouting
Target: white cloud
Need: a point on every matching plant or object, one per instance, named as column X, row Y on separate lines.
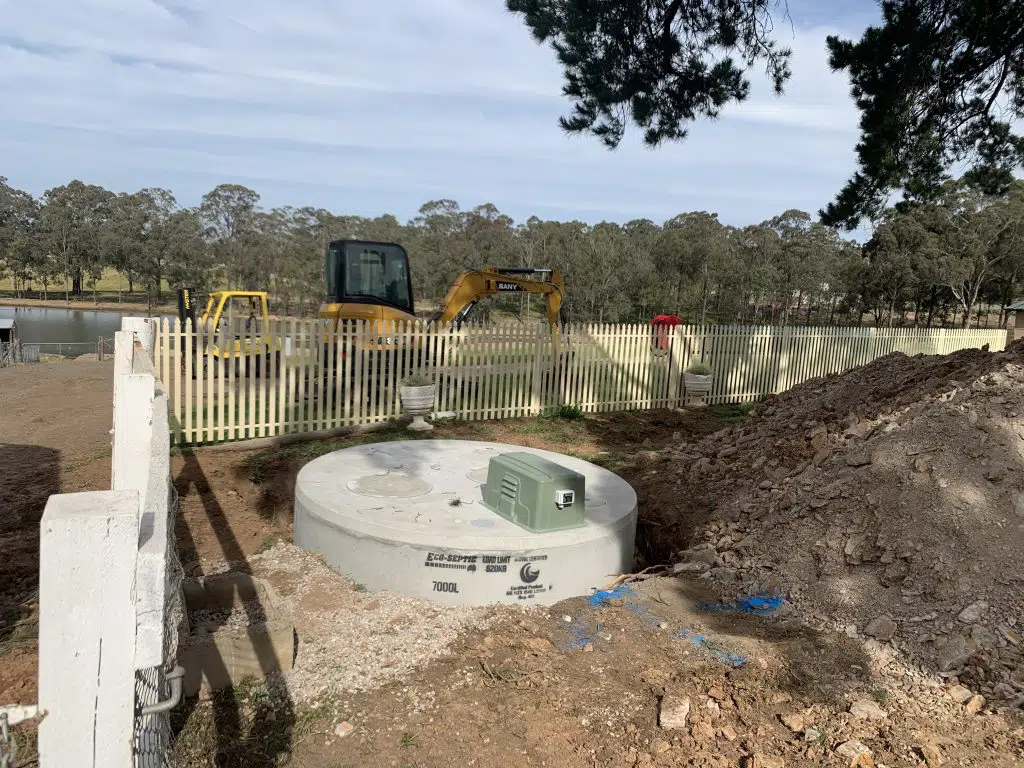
column 370, row 106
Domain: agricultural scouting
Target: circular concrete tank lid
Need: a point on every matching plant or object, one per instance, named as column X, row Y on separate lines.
column 389, row 486
column 430, row 493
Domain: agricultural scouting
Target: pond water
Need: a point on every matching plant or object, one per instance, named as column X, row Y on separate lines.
column 50, row 327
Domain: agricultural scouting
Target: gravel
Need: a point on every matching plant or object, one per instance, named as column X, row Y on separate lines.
column 352, row 640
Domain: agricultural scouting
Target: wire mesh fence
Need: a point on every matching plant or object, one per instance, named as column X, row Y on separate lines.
column 153, row 731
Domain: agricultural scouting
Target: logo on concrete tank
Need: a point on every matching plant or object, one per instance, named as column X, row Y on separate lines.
column 528, row 574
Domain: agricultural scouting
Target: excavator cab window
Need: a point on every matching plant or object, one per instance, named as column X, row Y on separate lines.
column 370, row 273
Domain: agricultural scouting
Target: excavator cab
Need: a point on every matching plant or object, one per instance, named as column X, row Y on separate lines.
column 367, row 281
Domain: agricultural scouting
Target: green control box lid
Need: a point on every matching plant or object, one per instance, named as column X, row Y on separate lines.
column 535, row 493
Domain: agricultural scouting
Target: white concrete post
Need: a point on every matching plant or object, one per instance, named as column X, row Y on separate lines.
column 133, row 433
column 144, row 329
column 87, row 628
column 141, row 462
column 124, row 352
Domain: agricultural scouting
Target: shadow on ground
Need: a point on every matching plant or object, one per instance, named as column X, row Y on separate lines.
column 250, row 731
column 29, row 474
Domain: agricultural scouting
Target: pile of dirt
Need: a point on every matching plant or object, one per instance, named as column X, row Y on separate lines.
column 886, row 502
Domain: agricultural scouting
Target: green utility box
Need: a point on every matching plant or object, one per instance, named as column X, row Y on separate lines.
column 534, row 493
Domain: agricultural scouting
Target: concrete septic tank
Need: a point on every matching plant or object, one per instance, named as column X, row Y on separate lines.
column 409, row 517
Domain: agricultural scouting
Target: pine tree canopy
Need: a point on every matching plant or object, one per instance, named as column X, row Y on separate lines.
column 939, row 83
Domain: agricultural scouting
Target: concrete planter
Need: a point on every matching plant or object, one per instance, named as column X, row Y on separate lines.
column 417, row 402
column 697, row 388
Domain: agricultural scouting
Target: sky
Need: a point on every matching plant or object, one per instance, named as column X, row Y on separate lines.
column 370, row 107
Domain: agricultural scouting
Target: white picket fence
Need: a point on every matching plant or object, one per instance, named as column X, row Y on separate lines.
column 109, row 595
column 320, row 377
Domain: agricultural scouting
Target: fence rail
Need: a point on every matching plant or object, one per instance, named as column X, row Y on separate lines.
column 302, row 375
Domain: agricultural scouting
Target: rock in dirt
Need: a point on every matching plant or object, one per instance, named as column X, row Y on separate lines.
column 932, row 755
column 852, row 749
column 673, row 713
column 728, row 732
column 760, row 760
column 951, row 653
column 702, row 732
column 538, row 644
column 716, row 693
column 974, row 704
column 960, row 694
column 795, row 722
column 973, row 612
column 343, row 729
column 866, row 709
column 858, row 457
column 881, row 628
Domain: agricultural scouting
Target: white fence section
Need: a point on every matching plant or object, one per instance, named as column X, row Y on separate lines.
column 302, row 375
column 110, row 607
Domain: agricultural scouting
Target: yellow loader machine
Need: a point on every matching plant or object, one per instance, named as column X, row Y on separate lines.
column 235, row 327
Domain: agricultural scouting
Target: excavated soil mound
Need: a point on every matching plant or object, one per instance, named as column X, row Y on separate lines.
column 887, row 502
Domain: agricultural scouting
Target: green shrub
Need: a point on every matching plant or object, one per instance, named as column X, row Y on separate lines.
column 699, row 369
column 417, row 380
column 567, row 411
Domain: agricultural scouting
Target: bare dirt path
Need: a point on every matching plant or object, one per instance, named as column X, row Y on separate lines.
column 54, row 438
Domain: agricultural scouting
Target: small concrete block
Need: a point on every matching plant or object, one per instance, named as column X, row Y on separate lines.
column 226, row 656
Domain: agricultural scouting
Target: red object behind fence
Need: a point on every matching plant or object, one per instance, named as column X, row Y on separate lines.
column 661, row 330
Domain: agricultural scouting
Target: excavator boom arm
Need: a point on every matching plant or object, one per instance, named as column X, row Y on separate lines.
column 470, row 287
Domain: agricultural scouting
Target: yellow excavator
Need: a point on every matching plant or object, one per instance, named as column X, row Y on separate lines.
column 371, row 281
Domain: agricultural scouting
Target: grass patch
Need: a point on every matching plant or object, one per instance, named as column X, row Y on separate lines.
column 25, row 636
column 25, row 744
column 409, row 739
column 569, row 411
column 238, row 727
column 732, row 414
column 269, row 541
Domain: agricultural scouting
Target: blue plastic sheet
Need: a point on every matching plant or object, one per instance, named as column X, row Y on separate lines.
column 713, row 649
column 580, row 635
column 601, row 598
column 759, row 605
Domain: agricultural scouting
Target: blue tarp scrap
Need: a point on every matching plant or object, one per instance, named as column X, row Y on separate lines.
column 759, row 605
column 628, row 595
column 602, row 597
column 578, row 635
column 712, row 648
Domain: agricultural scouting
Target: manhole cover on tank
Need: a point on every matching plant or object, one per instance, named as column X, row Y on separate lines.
column 478, row 475
column 389, row 486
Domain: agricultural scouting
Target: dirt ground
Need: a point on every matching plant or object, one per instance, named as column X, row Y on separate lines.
column 650, row 675
column 54, row 438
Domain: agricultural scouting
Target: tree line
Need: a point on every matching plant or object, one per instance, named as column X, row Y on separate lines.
column 926, row 264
